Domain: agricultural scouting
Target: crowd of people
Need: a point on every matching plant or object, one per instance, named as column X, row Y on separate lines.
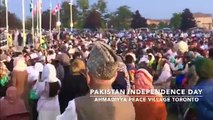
column 51, row 81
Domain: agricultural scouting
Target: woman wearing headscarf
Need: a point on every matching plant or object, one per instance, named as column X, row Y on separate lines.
column 48, row 104
column 129, row 59
column 4, row 79
column 12, row 105
column 151, row 59
column 165, row 73
column 122, row 81
column 19, row 79
column 74, row 85
column 20, row 39
column 148, row 110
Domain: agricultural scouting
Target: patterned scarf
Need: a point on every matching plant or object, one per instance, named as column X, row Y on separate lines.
column 3, row 74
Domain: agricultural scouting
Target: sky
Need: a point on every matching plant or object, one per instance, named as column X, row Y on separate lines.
column 155, row 9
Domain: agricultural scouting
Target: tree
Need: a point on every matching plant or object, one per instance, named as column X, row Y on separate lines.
column 121, row 18
column 93, row 21
column 46, row 20
column 13, row 21
column 28, row 23
column 175, row 21
column 187, row 20
column 102, row 5
column 83, row 4
column 152, row 26
column 65, row 14
column 109, row 19
column 162, row 25
column 138, row 21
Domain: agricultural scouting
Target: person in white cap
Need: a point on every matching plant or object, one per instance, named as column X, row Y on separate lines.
column 48, row 105
column 34, row 70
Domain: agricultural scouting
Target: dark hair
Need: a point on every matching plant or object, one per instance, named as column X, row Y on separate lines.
column 129, row 59
column 150, row 51
column 31, row 62
column 211, row 52
column 50, row 52
column 54, row 89
column 76, row 55
column 201, row 42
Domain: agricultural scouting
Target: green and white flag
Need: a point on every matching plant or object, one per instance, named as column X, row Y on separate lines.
column 31, row 5
column 3, row 2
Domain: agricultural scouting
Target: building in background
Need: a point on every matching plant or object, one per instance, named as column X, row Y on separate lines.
column 203, row 20
column 157, row 21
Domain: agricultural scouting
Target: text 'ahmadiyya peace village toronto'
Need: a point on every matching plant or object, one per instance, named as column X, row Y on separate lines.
column 144, row 95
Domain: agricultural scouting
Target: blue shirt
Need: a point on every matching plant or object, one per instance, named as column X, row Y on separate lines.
column 204, row 106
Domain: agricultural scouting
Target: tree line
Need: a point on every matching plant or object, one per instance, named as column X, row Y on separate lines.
column 96, row 16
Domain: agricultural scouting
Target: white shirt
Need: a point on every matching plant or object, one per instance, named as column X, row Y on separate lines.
column 85, row 54
column 33, row 74
column 165, row 74
column 69, row 113
column 144, row 59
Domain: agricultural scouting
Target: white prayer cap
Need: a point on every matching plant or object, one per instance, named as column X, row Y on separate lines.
column 49, row 73
column 33, row 56
column 39, row 67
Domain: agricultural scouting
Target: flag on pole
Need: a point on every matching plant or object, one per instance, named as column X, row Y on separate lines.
column 36, row 9
column 56, row 9
column 3, row 2
column 31, row 5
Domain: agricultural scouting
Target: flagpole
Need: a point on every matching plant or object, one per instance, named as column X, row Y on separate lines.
column 50, row 29
column 6, row 5
column 59, row 21
column 40, row 19
column 7, row 26
column 23, row 21
column 33, row 35
column 37, row 17
column 71, row 15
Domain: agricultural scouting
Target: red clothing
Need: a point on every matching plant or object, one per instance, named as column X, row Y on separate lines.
column 150, row 110
column 19, row 80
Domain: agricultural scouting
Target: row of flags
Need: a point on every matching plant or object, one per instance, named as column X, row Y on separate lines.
column 35, row 10
column 38, row 6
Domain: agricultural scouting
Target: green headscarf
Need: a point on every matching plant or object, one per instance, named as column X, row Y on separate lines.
column 204, row 68
column 3, row 74
column 4, row 80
